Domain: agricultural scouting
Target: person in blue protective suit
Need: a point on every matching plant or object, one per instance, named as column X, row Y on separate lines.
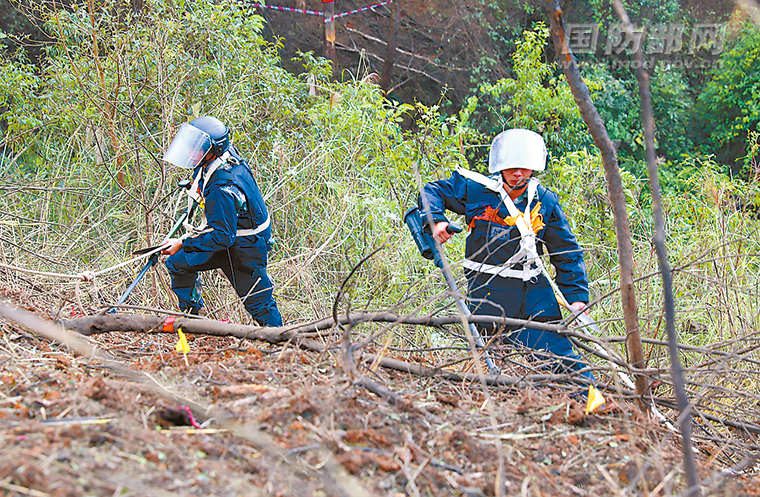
column 512, row 220
column 235, row 232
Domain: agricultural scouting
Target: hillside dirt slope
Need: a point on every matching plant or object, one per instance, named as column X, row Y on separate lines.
column 438, row 44
column 69, row 426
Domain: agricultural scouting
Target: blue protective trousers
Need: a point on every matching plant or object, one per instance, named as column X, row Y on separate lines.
column 244, row 265
column 535, row 300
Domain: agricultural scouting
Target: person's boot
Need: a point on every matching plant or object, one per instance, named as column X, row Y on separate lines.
column 196, row 300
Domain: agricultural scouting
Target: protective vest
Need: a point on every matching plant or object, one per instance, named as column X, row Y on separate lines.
column 229, row 170
column 527, row 253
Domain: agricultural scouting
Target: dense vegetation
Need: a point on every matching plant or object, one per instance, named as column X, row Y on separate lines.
column 85, row 126
column 86, row 117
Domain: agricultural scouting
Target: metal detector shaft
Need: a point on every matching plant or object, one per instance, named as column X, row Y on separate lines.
column 153, row 260
column 429, row 250
column 466, row 312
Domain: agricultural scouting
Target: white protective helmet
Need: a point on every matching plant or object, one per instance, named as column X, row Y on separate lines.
column 517, row 148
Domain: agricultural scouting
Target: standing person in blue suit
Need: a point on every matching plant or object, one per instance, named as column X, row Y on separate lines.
column 235, row 233
column 512, row 220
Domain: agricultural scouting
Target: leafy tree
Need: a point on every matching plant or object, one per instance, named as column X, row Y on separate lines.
column 536, row 97
column 729, row 106
column 20, row 94
column 617, row 99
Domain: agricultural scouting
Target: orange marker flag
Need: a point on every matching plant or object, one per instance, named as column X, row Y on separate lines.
column 595, row 399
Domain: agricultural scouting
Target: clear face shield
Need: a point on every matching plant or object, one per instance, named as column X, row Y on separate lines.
column 188, row 147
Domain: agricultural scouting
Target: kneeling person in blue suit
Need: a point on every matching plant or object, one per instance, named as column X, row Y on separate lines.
column 508, row 213
column 235, row 233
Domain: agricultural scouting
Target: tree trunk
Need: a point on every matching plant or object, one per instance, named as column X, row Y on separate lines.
column 390, row 54
column 647, row 118
column 615, row 187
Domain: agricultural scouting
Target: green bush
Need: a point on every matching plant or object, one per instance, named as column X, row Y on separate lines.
column 536, row 97
column 617, row 100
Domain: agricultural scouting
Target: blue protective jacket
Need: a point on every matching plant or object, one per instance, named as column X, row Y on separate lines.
column 492, row 242
column 233, row 201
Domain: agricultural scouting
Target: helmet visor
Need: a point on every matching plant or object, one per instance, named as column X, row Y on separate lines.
column 188, row 147
column 517, row 148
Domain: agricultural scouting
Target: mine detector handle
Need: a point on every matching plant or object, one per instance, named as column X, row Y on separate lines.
column 423, row 237
column 429, row 250
column 155, row 251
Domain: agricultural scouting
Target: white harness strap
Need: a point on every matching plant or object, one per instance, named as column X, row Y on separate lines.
column 503, row 271
column 527, row 254
column 194, row 194
column 258, row 229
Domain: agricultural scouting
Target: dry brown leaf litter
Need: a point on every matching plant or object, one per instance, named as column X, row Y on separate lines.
column 70, row 427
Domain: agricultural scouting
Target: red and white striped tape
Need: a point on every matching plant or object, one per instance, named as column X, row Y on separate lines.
column 287, row 9
column 316, row 13
column 358, row 10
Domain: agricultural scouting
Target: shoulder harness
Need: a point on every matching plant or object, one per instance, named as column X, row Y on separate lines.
column 527, row 254
column 195, row 195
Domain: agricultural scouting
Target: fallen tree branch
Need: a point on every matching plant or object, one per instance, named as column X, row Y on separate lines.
column 92, row 325
column 102, row 323
column 152, row 324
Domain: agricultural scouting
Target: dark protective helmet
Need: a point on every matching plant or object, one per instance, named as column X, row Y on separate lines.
column 216, row 130
column 194, row 141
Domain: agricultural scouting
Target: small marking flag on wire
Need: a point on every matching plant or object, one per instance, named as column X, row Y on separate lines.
column 182, row 345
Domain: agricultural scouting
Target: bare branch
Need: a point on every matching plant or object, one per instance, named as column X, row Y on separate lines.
column 427, row 60
column 684, row 407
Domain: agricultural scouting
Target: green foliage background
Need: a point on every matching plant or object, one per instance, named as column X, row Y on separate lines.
column 729, row 106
